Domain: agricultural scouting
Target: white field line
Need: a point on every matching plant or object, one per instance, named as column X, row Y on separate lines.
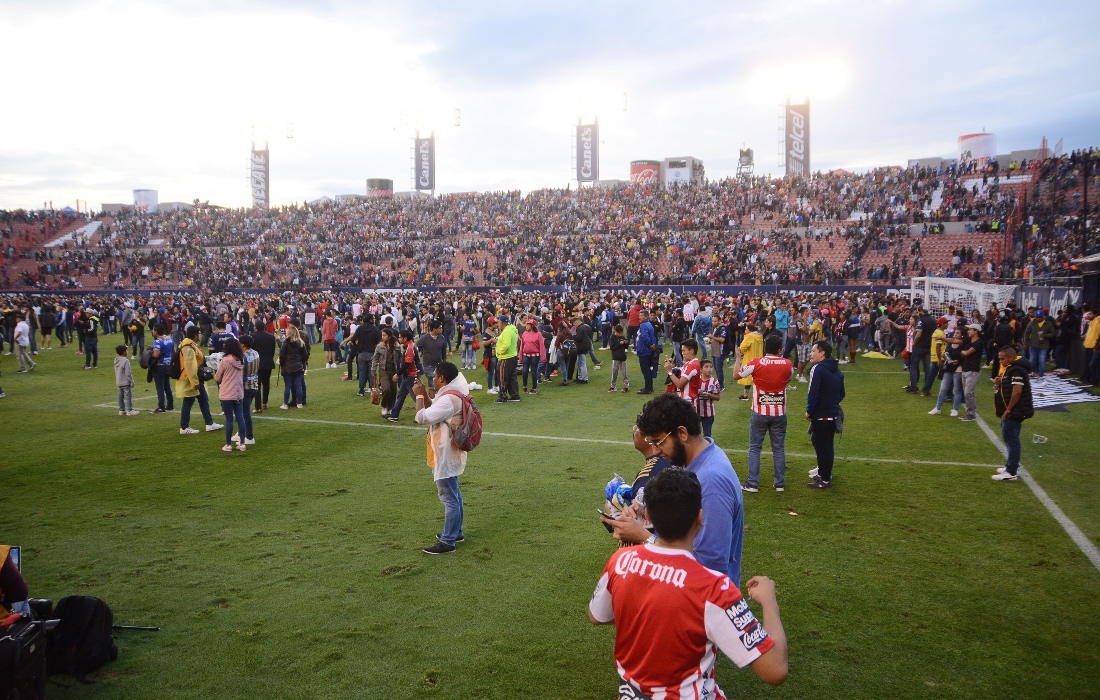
column 115, row 404
column 1068, row 525
column 610, row 442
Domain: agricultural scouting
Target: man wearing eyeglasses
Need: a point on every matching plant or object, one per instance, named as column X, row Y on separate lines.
column 670, row 424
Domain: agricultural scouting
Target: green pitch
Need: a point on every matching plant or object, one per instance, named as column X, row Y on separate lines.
column 294, row 570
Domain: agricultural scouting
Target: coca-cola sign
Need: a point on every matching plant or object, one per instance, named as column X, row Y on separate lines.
column 588, row 152
column 797, row 139
column 261, row 178
column 425, row 163
column 645, row 172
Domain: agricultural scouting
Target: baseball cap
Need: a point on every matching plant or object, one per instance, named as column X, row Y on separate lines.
column 942, row 320
column 1039, row 312
column 492, row 319
column 974, row 327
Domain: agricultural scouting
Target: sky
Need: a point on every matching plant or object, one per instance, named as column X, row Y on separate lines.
column 102, row 97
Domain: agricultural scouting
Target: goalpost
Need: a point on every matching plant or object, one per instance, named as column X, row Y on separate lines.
column 937, row 293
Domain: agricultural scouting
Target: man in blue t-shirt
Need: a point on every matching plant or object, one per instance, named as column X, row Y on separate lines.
column 162, row 360
column 671, row 424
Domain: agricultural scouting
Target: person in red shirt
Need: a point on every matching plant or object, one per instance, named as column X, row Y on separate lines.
column 328, row 336
column 687, row 384
column 770, row 376
column 670, row 611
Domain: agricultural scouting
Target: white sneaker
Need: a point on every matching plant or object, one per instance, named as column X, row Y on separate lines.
column 213, row 426
column 934, row 412
column 133, row 413
column 236, row 438
column 188, row 431
column 801, row 379
column 494, row 390
column 1002, row 470
column 122, row 413
column 1004, row 476
column 249, row 441
column 954, row 413
column 813, row 472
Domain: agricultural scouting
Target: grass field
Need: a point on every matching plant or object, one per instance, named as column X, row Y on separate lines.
column 294, row 570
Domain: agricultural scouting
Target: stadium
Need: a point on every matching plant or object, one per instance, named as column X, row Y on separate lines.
column 276, row 520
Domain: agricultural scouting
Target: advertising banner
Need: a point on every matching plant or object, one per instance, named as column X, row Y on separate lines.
column 797, row 137
column 379, row 188
column 677, row 172
column 588, row 152
column 425, row 163
column 261, row 178
column 145, row 201
column 645, row 172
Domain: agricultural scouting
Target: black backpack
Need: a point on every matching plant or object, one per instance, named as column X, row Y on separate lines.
column 82, row 640
column 175, row 368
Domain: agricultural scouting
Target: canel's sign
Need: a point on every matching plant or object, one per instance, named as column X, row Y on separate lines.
column 425, row 163
column 588, row 152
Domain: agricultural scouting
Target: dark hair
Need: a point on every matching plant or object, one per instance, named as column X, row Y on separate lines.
column 406, row 334
column 618, row 328
column 447, row 370
column 233, row 347
column 1007, row 350
column 666, row 413
column 773, row 344
column 192, row 332
column 120, row 350
column 673, row 499
column 690, row 344
column 159, row 329
column 704, row 363
column 435, row 323
column 247, row 340
column 220, row 324
column 824, row 347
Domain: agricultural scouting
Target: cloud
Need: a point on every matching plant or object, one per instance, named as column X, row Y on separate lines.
column 168, row 95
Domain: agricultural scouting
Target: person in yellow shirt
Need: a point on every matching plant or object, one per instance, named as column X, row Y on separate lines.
column 751, row 348
column 939, row 340
column 1091, row 375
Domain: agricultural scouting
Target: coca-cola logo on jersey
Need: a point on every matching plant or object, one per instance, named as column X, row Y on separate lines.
column 754, row 636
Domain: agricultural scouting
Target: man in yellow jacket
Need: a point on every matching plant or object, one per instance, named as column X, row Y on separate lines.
column 1091, row 375
column 751, row 347
column 190, row 387
column 507, row 352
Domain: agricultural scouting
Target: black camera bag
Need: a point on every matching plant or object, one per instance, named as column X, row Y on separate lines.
column 82, row 641
column 22, row 661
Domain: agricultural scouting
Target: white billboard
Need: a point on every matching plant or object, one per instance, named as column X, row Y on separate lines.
column 146, row 201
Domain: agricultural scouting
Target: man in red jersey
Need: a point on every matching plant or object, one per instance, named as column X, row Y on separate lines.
column 770, row 376
column 687, row 384
column 670, row 611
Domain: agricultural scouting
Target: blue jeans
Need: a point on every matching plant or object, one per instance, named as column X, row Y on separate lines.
column 719, row 362
column 204, row 406
column 91, row 351
column 233, row 410
column 1010, row 433
column 249, row 397
column 582, row 368
column 366, row 377
column 451, row 498
column 165, row 398
column 677, row 357
column 294, row 390
column 776, row 427
column 137, row 340
column 1038, row 360
column 708, row 424
column 592, row 354
column 469, row 355
column 702, row 340
column 649, row 370
column 563, row 367
column 921, row 358
column 531, row 365
column 404, row 388
column 951, row 386
column 491, row 373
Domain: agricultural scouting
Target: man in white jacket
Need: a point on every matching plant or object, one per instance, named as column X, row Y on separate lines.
column 445, row 459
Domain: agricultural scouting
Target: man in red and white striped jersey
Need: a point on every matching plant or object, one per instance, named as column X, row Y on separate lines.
column 670, row 611
column 770, row 376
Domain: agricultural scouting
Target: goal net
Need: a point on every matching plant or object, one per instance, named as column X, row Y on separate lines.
column 938, row 293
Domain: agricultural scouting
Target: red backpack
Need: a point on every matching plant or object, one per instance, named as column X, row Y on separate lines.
column 466, row 435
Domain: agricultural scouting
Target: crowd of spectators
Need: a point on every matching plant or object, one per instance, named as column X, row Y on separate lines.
column 748, row 230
